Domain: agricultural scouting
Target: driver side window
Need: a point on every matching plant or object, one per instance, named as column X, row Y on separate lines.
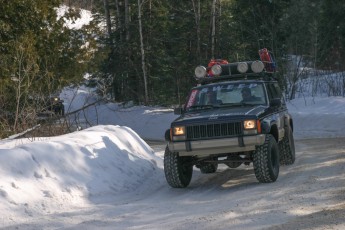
column 274, row 91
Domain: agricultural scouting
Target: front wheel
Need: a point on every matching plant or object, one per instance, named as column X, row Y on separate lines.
column 288, row 155
column 266, row 161
column 178, row 170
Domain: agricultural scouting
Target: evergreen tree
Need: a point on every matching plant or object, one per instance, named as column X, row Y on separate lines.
column 39, row 56
column 331, row 42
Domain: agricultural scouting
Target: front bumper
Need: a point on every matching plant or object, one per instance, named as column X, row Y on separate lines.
column 202, row 148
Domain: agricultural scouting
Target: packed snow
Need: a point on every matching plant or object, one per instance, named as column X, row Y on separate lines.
column 111, row 163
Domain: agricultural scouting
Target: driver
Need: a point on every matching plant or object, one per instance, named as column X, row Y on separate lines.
column 247, row 95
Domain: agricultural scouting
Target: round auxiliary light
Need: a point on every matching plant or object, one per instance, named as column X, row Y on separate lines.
column 242, row 67
column 216, row 70
column 200, row 72
column 257, row 66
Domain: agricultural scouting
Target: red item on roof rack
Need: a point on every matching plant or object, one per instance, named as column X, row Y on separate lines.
column 214, row 62
column 267, row 58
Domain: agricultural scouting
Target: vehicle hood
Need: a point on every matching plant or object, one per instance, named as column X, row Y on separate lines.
column 220, row 114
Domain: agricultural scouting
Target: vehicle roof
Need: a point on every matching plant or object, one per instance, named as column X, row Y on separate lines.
column 234, row 81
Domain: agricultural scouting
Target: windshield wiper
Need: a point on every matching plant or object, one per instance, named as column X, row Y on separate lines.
column 196, row 107
column 231, row 105
column 246, row 103
column 249, row 104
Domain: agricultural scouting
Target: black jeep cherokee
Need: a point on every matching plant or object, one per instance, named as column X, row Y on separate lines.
column 235, row 117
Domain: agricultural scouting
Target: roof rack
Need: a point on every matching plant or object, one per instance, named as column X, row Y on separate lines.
column 233, row 71
column 249, row 76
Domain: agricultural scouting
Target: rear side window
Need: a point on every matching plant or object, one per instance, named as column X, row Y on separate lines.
column 272, row 91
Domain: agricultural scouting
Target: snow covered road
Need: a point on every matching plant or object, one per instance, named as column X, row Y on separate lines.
column 307, row 195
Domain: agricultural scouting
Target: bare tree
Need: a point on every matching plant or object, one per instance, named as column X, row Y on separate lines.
column 25, row 69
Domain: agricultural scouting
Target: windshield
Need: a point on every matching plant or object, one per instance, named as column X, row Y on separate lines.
column 226, row 95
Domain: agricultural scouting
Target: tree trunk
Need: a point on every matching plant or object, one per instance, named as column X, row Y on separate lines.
column 118, row 19
column 196, row 8
column 127, row 19
column 107, row 17
column 213, row 33
column 143, row 64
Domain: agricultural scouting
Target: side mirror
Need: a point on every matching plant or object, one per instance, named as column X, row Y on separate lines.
column 178, row 111
column 276, row 102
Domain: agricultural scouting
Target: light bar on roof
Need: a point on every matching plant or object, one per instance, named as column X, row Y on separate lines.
column 257, row 66
column 242, row 67
column 200, row 72
column 216, row 70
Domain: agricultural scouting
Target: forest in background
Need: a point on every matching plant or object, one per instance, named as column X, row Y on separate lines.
column 146, row 50
column 151, row 47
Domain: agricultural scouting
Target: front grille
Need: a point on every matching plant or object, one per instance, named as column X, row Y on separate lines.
column 207, row 131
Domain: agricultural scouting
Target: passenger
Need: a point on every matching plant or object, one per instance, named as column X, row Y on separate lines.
column 210, row 98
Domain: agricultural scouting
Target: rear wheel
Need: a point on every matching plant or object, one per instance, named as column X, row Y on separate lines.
column 178, row 170
column 235, row 161
column 208, row 168
column 266, row 160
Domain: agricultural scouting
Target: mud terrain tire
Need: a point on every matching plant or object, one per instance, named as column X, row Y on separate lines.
column 266, row 161
column 287, row 149
column 208, row 168
column 178, row 170
column 233, row 164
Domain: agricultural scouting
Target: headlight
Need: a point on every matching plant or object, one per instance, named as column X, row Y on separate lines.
column 178, row 130
column 251, row 127
column 178, row 133
column 250, row 124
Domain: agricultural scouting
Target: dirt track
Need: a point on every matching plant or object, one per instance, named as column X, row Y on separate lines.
column 329, row 152
column 309, row 194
